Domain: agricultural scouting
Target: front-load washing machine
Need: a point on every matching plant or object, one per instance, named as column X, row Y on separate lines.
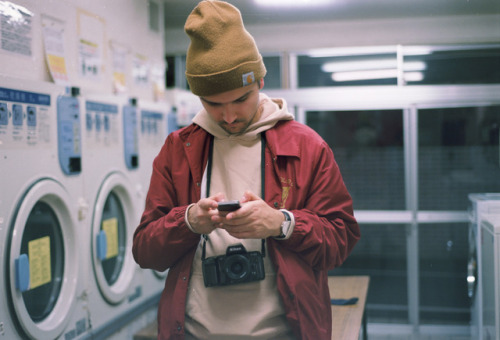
column 116, row 292
column 481, row 204
column 490, row 250
column 43, row 273
column 153, row 132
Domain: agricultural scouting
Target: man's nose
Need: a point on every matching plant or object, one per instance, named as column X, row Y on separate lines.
column 228, row 113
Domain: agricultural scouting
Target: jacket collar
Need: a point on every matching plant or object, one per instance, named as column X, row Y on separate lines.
column 281, row 140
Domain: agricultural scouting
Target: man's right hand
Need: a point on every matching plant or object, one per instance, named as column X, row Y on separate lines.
column 200, row 214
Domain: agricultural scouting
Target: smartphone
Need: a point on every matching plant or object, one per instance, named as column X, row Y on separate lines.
column 229, row 205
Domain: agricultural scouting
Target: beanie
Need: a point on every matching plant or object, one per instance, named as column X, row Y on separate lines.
column 222, row 55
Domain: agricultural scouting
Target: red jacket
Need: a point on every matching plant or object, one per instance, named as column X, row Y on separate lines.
column 301, row 176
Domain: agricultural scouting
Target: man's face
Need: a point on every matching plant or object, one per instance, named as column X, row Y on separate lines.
column 234, row 110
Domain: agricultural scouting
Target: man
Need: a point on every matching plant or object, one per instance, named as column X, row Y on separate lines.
column 259, row 271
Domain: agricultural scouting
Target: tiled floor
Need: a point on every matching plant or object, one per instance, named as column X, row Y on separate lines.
column 402, row 332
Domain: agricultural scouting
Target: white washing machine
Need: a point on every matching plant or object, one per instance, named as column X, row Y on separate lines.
column 186, row 104
column 116, row 292
column 153, row 132
column 481, row 204
column 490, row 259
column 43, row 273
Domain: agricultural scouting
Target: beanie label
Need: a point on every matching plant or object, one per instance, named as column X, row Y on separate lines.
column 248, row 78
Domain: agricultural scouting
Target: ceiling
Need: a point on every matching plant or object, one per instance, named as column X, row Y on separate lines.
column 176, row 11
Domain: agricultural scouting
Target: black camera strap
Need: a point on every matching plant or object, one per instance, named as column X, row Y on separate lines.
column 204, row 249
column 262, row 183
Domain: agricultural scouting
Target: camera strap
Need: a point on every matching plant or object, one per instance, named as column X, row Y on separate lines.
column 204, row 249
column 262, row 183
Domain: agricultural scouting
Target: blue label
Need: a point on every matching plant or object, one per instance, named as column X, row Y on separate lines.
column 17, row 114
column 31, row 115
column 130, row 137
column 24, row 97
column 4, row 114
column 151, row 114
column 102, row 107
column 68, row 134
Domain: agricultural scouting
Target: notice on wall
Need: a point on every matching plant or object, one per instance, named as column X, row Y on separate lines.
column 158, row 80
column 90, row 45
column 119, row 54
column 39, row 260
column 53, row 38
column 16, row 29
column 140, row 70
column 110, row 227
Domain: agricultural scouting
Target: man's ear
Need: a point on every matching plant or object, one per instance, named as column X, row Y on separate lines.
column 261, row 83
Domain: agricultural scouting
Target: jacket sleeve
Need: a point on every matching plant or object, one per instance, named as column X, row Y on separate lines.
column 162, row 237
column 325, row 228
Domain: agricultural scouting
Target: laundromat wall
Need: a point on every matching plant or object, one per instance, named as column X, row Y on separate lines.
column 83, row 113
column 119, row 43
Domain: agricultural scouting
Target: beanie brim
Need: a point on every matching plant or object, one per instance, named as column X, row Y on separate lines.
column 239, row 76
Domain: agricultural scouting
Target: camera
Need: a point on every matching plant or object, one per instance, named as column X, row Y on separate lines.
column 237, row 266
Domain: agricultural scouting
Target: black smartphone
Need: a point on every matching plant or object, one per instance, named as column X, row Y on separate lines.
column 229, row 205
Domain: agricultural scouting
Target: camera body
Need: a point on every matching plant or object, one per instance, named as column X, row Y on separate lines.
column 237, row 266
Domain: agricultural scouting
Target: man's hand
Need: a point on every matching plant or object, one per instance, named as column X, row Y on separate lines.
column 200, row 215
column 255, row 219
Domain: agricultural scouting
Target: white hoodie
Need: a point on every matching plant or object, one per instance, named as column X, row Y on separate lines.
column 249, row 310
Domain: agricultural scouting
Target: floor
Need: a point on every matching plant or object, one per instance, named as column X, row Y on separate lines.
column 417, row 337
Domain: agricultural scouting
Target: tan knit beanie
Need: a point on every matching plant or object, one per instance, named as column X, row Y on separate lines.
column 222, row 55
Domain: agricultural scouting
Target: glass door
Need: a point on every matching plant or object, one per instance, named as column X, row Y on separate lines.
column 458, row 154
column 369, row 147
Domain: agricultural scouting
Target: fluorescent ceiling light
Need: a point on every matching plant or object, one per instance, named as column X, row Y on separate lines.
column 364, row 65
column 359, row 65
column 413, row 76
column 375, row 74
column 364, row 75
column 416, row 50
column 350, row 51
column 291, row 3
column 414, row 66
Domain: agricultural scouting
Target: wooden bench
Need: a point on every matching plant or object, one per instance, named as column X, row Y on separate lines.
column 348, row 319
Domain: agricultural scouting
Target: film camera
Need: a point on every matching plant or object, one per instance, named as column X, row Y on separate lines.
column 237, row 266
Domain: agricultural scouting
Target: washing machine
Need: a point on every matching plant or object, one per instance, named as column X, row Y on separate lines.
column 186, row 106
column 490, row 260
column 481, row 204
column 117, row 292
column 43, row 273
column 154, row 127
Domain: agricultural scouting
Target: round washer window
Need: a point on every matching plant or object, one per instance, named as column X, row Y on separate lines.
column 113, row 219
column 43, row 231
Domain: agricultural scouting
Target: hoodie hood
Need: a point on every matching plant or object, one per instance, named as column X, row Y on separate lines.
column 272, row 111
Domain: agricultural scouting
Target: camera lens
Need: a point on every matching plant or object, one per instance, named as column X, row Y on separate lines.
column 236, row 267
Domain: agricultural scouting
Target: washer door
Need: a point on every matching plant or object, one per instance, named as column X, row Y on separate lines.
column 42, row 261
column 113, row 224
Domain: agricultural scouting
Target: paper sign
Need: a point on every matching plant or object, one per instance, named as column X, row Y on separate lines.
column 119, row 56
column 110, row 227
column 53, row 34
column 39, row 260
column 91, row 32
column 140, row 70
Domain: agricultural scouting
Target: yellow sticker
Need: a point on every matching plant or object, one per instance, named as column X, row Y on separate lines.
column 110, row 227
column 39, row 259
